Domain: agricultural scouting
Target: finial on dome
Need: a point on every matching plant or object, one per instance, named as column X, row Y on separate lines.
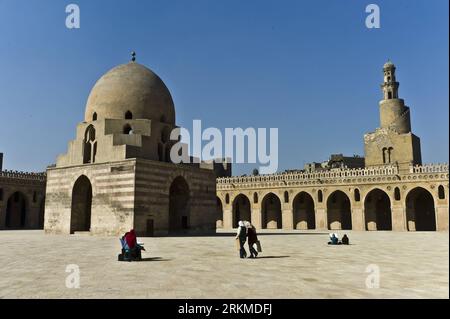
column 133, row 56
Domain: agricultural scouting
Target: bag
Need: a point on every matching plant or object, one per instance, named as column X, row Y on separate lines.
column 258, row 246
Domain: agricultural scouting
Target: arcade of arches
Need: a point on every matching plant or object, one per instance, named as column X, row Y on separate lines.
column 21, row 207
column 375, row 209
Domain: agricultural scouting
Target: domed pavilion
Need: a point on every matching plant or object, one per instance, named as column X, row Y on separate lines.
column 117, row 173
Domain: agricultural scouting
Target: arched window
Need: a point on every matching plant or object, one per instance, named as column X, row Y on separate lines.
column 127, row 129
column 255, row 197
column 34, row 197
column 286, row 197
column 94, row 116
column 384, row 155
column 1, row 194
column 389, row 95
column 128, row 115
column 397, row 193
column 227, row 198
column 319, row 196
column 390, row 154
column 162, row 119
column 357, row 195
column 89, row 145
column 441, row 192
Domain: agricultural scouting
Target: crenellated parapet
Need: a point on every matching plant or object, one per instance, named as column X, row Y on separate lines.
column 429, row 168
column 23, row 175
column 369, row 175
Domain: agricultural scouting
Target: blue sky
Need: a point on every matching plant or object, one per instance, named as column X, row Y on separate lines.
column 310, row 68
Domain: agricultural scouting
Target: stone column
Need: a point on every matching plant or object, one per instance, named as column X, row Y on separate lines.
column 442, row 217
column 321, row 218
column 256, row 217
column 398, row 218
column 228, row 218
column 287, row 218
column 358, row 219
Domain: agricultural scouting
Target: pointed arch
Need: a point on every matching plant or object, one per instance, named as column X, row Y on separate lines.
column 339, row 211
column 241, row 209
column 304, row 211
column 80, row 216
column 377, row 210
column 271, row 212
column 420, row 210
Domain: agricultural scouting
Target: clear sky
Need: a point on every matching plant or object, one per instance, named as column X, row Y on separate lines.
column 310, row 68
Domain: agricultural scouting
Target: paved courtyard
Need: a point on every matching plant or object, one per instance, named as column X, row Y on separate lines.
column 293, row 265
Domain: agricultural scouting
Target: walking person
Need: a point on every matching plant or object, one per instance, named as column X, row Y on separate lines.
column 252, row 239
column 241, row 236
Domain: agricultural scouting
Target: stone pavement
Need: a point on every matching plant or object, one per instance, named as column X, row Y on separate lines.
column 296, row 264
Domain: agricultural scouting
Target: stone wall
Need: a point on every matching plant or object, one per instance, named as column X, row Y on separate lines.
column 130, row 194
column 356, row 184
column 32, row 187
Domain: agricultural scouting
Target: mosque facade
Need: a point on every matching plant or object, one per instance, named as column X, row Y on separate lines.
column 392, row 190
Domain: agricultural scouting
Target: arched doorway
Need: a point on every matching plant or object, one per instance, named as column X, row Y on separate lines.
column 80, row 217
column 420, row 211
column 219, row 213
column 271, row 212
column 304, row 214
column 241, row 209
column 377, row 210
column 179, row 206
column 16, row 211
column 339, row 211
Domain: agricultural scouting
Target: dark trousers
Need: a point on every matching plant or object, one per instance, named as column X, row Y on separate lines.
column 252, row 249
column 242, row 252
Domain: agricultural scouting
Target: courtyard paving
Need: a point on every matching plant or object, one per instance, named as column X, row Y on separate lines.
column 293, row 265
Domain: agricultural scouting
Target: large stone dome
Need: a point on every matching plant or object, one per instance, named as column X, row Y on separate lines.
column 131, row 88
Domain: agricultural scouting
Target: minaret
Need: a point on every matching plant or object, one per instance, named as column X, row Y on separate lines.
column 394, row 114
column 392, row 143
column 390, row 85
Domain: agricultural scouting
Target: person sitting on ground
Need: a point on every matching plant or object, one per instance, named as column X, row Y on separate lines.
column 251, row 239
column 334, row 240
column 130, row 244
column 345, row 240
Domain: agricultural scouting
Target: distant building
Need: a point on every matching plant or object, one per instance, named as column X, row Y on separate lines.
column 336, row 161
column 22, row 199
column 388, row 189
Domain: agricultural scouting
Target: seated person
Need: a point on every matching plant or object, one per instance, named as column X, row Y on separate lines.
column 334, row 240
column 131, row 250
column 345, row 240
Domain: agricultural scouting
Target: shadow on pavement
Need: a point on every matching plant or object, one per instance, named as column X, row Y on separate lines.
column 154, row 259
